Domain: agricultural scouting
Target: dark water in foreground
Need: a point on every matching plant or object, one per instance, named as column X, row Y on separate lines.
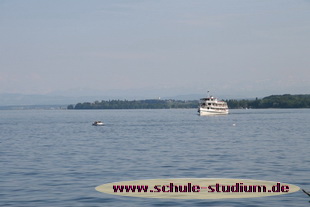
column 56, row 158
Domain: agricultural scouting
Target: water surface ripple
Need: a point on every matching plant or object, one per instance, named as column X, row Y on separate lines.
column 57, row 158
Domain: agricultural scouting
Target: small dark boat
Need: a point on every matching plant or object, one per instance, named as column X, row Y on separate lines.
column 98, row 123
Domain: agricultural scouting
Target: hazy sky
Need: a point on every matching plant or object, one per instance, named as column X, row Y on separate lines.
column 247, row 47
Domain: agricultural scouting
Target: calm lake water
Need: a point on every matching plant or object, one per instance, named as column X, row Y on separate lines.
column 57, row 158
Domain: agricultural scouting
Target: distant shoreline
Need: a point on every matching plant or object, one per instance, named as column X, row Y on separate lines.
column 34, row 107
column 273, row 101
column 285, row 101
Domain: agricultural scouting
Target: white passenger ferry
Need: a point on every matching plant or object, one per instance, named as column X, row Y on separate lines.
column 212, row 106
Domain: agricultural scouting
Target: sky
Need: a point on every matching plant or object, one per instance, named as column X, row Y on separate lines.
column 158, row 48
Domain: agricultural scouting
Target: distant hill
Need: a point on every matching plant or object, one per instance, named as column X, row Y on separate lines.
column 21, row 101
column 274, row 101
column 10, row 99
column 136, row 104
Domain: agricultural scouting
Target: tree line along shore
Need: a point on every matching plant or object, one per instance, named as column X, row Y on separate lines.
column 273, row 101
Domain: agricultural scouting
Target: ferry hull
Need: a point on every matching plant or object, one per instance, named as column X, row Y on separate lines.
column 205, row 112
